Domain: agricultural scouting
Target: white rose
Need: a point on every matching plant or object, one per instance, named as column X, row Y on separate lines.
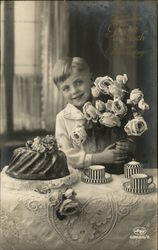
column 136, row 95
column 90, row 112
column 143, row 105
column 110, row 120
column 121, row 79
column 69, row 207
column 95, row 91
column 69, row 193
column 136, row 126
column 108, row 105
column 103, row 83
column 79, row 135
column 100, row 105
column 117, row 106
column 116, row 91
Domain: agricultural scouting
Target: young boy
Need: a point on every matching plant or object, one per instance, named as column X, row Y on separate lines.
column 72, row 76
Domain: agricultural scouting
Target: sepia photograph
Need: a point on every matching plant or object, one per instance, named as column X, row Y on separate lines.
column 78, row 125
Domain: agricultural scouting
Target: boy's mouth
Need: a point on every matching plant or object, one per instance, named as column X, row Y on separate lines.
column 77, row 97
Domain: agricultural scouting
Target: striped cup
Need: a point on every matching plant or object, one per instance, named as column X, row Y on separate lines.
column 97, row 172
column 140, row 182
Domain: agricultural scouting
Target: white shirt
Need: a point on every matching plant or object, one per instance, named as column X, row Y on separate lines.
column 66, row 122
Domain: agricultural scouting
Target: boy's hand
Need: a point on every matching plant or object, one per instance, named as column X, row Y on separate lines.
column 111, row 155
column 126, row 146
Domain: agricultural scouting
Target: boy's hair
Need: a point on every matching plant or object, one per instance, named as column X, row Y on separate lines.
column 64, row 67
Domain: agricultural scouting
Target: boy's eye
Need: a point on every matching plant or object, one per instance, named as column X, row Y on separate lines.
column 79, row 82
column 65, row 88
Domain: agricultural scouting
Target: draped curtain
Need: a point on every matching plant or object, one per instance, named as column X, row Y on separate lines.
column 55, row 40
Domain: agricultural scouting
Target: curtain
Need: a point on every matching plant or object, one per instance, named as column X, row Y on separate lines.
column 55, row 40
column 27, row 102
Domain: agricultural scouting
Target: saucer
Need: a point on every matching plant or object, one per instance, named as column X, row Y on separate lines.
column 86, row 179
column 151, row 188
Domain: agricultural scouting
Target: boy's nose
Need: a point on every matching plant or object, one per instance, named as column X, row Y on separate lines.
column 73, row 90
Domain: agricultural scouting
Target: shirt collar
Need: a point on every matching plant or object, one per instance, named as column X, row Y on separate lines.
column 71, row 112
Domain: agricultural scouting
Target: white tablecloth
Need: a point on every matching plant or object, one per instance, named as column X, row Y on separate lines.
column 108, row 219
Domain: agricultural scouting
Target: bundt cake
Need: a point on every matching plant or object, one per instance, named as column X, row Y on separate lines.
column 40, row 159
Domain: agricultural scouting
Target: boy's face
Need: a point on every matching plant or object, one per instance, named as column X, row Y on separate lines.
column 77, row 88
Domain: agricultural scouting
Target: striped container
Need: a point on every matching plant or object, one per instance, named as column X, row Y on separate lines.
column 97, row 172
column 86, row 179
column 140, row 181
column 132, row 167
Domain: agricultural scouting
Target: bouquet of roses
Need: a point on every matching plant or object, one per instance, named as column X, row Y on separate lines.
column 113, row 105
